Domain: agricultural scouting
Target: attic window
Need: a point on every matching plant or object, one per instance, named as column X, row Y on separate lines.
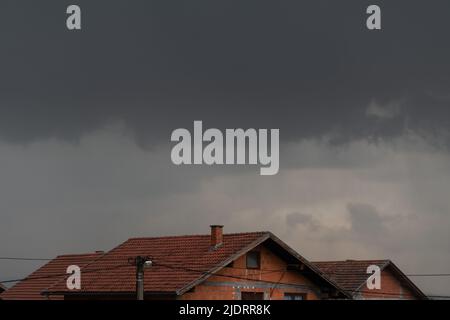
column 254, row 260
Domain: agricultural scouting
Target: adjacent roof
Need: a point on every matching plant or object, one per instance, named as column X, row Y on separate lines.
column 43, row 278
column 351, row 275
column 180, row 263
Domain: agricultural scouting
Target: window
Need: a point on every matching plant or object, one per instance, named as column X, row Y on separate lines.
column 252, row 296
column 294, row 296
column 254, row 260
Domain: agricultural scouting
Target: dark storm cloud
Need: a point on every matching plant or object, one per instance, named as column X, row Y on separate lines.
column 366, row 220
column 310, row 67
column 296, row 218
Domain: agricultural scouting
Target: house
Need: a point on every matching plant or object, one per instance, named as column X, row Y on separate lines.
column 32, row 287
column 352, row 276
column 216, row 266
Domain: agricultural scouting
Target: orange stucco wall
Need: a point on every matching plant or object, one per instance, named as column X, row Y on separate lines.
column 391, row 288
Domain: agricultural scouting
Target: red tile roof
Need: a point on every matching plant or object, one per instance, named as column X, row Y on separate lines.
column 43, row 278
column 352, row 274
column 178, row 262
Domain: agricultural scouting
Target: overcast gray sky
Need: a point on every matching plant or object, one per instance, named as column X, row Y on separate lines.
column 86, row 118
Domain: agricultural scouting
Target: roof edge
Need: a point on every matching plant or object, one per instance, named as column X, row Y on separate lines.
column 266, row 235
column 408, row 281
column 309, row 264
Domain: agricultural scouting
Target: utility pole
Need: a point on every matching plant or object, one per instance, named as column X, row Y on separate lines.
column 141, row 263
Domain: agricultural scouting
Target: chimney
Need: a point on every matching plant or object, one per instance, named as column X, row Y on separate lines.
column 216, row 236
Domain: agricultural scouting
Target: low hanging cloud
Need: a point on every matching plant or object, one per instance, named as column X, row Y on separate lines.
column 366, row 221
column 296, row 218
column 388, row 111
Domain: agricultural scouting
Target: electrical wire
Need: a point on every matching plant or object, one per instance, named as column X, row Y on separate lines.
column 287, row 284
column 25, row 259
column 245, row 277
column 61, row 275
column 334, row 273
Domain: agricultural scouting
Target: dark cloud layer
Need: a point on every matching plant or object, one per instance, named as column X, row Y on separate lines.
column 310, row 68
column 74, row 104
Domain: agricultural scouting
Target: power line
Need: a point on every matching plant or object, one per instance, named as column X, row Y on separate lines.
column 209, row 273
column 281, row 283
column 272, row 291
column 343, row 273
column 103, row 256
column 430, row 275
column 225, row 275
column 205, row 272
column 362, row 273
column 334, row 273
column 392, row 294
column 25, row 259
column 61, row 275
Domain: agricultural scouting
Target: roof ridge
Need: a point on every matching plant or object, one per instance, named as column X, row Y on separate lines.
column 198, row 235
